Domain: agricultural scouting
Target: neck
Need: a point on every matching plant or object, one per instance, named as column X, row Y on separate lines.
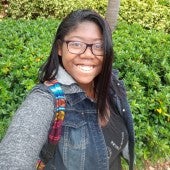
column 89, row 90
column 90, row 93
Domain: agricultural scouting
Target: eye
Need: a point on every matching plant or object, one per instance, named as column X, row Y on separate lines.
column 98, row 46
column 75, row 44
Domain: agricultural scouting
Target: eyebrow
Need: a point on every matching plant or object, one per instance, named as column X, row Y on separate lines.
column 81, row 38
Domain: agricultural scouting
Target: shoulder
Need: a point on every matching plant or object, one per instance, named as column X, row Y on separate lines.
column 115, row 76
column 29, row 127
column 37, row 107
column 115, row 73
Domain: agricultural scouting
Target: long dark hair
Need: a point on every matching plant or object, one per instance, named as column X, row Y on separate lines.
column 101, row 83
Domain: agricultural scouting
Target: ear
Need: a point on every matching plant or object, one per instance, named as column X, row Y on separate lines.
column 59, row 48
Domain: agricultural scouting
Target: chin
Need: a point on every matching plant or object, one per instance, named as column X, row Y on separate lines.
column 84, row 82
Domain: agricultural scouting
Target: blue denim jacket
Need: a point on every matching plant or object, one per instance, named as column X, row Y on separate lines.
column 82, row 145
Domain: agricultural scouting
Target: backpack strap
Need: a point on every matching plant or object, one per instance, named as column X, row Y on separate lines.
column 54, row 135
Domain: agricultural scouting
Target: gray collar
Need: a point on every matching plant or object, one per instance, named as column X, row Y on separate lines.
column 63, row 77
column 68, row 84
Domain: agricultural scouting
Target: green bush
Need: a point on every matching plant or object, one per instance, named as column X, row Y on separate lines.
column 23, row 47
column 148, row 13
column 1, row 7
column 50, row 8
column 142, row 56
column 143, row 59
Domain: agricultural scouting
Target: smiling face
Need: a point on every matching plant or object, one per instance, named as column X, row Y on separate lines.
column 82, row 67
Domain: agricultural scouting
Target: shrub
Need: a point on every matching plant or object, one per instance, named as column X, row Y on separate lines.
column 50, row 8
column 23, row 47
column 142, row 56
column 148, row 13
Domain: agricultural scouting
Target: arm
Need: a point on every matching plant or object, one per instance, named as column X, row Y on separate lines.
column 27, row 133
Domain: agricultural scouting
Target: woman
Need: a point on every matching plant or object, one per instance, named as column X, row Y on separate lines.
column 97, row 128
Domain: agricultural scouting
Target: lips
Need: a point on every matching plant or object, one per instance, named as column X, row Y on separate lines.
column 85, row 68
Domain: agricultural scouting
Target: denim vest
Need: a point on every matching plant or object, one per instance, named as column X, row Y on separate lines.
column 82, row 145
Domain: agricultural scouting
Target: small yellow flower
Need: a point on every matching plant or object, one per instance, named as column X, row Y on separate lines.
column 5, row 70
column 160, row 101
column 37, row 59
column 159, row 110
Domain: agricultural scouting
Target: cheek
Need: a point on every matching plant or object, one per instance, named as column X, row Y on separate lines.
column 67, row 64
column 65, row 57
column 100, row 65
column 64, row 62
column 101, row 62
column 62, row 53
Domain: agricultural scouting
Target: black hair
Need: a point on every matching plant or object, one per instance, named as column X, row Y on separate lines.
column 101, row 83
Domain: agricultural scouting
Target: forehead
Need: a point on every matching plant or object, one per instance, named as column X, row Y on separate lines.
column 86, row 30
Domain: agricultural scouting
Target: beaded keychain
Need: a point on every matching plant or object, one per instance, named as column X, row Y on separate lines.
column 54, row 134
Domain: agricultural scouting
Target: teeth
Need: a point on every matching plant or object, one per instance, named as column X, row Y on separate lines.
column 85, row 68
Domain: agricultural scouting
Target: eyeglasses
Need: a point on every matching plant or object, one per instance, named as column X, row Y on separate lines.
column 77, row 47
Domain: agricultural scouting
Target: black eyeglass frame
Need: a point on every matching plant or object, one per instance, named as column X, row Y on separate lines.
column 87, row 45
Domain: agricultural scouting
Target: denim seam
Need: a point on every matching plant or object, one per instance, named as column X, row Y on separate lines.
column 83, row 151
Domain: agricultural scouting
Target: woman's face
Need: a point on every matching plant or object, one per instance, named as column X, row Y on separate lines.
column 86, row 66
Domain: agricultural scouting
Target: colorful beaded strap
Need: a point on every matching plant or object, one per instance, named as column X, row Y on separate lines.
column 48, row 150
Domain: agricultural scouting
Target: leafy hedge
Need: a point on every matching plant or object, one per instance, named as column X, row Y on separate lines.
column 148, row 13
column 50, row 8
column 142, row 56
column 23, row 47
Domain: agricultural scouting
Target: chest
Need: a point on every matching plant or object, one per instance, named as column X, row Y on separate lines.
column 83, row 144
